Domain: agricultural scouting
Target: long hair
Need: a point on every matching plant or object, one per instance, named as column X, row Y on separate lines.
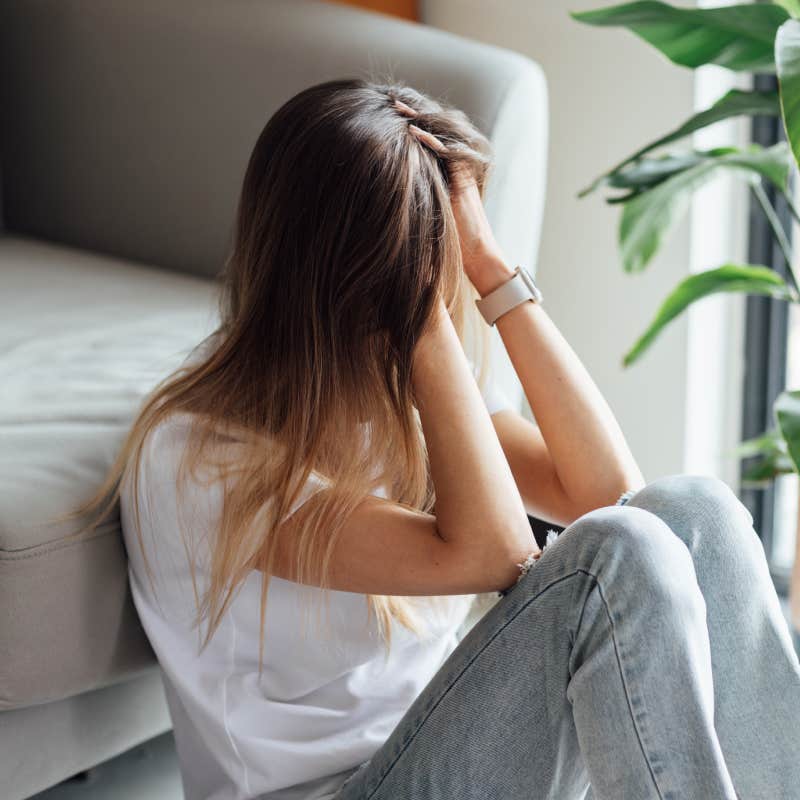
column 344, row 234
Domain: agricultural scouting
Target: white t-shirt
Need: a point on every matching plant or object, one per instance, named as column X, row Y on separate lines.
column 327, row 697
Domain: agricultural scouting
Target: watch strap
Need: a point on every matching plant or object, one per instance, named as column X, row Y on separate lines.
column 509, row 295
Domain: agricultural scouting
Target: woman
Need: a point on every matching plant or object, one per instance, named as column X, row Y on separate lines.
column 293, row 463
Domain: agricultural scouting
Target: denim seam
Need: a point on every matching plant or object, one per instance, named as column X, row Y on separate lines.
column 580, row 621
column 522, row 608
column 625, row 683
column 466, row 666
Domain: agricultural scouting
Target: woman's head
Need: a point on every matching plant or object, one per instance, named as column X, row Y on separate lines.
column 344, row 235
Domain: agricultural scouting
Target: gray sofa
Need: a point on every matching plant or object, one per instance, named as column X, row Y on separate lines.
column 124, row 133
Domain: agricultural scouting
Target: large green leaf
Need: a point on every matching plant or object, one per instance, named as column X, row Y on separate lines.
column 787, row 416
column 728, row 278
column 733, row 104
column 768, row 442
column 772, row 458
column 649, row 172
column 787, row 56
column 648, row 218
column 739, row 37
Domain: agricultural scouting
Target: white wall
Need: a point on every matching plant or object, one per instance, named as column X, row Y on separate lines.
column 609, row 94
column 715, row 390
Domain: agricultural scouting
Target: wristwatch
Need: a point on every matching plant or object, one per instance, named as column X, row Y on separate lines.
column 509, row 295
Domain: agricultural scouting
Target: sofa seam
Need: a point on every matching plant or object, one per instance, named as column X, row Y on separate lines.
column 26, row 553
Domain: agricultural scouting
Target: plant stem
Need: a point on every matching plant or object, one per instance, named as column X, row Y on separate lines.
column 777, row 229
column 791, row 206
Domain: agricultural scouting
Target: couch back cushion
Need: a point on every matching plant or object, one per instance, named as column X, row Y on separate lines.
column 126, row 126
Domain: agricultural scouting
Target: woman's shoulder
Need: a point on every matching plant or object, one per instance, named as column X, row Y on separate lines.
column 165, row 439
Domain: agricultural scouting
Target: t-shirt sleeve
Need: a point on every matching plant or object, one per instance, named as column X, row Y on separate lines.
column 315, row 483
column 493, row 395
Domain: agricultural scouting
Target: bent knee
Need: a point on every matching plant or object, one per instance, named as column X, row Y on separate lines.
column 628, row 527
column 692, row 492
column 635, row 550
column 700, row 507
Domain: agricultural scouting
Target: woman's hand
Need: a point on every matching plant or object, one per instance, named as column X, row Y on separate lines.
column 482, row 256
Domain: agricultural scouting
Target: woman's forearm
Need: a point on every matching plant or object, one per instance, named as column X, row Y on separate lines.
column 478, row 505
column 590, row 456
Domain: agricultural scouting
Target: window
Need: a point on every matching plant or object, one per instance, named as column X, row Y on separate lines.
column 783, row 533
column 772, row 363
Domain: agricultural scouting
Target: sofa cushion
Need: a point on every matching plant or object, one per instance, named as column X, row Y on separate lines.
column 83, row 337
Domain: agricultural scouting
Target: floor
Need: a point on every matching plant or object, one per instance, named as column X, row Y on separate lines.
column 148, row 772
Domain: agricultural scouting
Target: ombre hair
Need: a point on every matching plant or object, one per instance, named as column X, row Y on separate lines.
column 343, row 238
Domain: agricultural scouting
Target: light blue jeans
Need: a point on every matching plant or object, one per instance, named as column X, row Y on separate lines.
column 644, row 655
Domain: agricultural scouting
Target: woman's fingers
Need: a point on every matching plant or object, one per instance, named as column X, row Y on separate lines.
column 474, row 231
column 427, row 138
column 404, row 109
column 460, row 176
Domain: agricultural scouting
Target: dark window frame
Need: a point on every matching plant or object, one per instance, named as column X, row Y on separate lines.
column 766, row 335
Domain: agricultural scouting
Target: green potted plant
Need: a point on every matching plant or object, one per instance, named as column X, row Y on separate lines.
column 654, row 185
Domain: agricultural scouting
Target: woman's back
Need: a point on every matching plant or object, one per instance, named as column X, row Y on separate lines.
column 344, row 299
column 328, row 695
